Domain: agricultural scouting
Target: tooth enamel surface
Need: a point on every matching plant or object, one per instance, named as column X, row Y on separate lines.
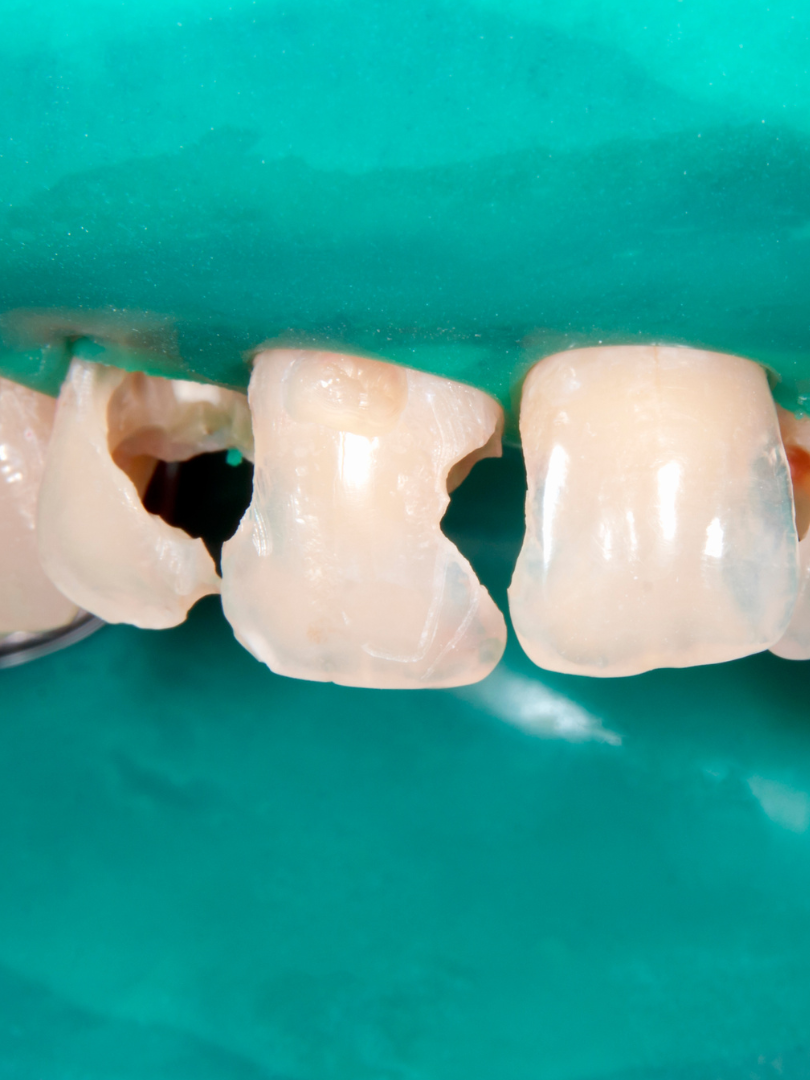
column 659, row 526
column 28, row 599
column 97, row 542
column 795, row 644
column 339, row 570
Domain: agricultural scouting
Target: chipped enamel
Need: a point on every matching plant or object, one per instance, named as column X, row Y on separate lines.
column 659, row 518
column 97, row 542
column 339, row 570
column 795, row 643
column 28, row 599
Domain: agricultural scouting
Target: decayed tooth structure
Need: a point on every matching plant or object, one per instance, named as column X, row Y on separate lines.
column 659, row 527
column 97, row 542
column 339, row 570
column 28, row 599
column 795, row 644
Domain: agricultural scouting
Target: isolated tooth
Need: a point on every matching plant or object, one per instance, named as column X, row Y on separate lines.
column 659, row 516
column 795, row 644
column 97, row 542
column 339, row 570
column 28, row 599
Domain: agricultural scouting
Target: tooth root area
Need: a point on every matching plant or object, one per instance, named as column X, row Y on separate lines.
column 659, row 518
column 340, row 571
column 28, row 599
column 795, row 431
column 97, row 542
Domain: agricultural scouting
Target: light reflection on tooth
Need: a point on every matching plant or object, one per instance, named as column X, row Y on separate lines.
column 669, row 480
column 714, row 540
column 339, row 570
column 97, row 542
column 795, row 644
column 659, row 522
column 28, row 599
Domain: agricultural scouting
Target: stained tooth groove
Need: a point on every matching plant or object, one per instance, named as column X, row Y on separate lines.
column 795, row 643
column 28, row 599
column 659, row 516
column 97, row 542
column 339, row 570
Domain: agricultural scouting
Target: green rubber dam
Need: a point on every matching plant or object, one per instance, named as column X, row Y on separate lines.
column 211, row 871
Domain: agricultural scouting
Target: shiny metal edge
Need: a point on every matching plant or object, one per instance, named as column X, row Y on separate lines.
column 20, row 647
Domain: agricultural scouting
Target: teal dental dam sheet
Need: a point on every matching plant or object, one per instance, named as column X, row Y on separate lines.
column 405, row 511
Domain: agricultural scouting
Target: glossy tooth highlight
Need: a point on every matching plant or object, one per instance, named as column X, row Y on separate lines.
column 339, row 570
column 28, row 599
column 795, row 643
column 659, row 519
column 97, row 542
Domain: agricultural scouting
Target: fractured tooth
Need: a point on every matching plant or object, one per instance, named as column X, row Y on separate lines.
column 659, row 517
column 795, row 644
column 97, row 542
column 28, row 599
column 339, row 570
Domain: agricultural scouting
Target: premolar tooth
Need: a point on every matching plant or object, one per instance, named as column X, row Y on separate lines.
column 339, row 570
column 795, row 643
column 659, row 518
column 28, row 599
column 97, row 542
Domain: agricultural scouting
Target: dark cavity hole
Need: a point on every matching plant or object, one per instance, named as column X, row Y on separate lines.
column 485, row 519
column 205, row 497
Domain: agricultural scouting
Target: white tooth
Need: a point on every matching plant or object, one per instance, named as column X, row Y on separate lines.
column 28, row 599
column 795, row 644
column 339, row 570
column 97, row 542
column 659, row 527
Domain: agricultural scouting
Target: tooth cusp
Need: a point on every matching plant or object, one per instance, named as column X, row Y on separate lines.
column 339, row 571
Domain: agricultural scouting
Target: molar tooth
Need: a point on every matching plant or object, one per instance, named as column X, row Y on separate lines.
column 97, row 542
column 659, row 519
column 28, row 599
column 795, row 643
column 339, row 570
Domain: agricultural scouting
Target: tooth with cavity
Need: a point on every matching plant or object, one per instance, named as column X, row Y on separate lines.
column 28, row 599
column 339, row 570
column 97, row 542
column 795, row 643
column 659, row 522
